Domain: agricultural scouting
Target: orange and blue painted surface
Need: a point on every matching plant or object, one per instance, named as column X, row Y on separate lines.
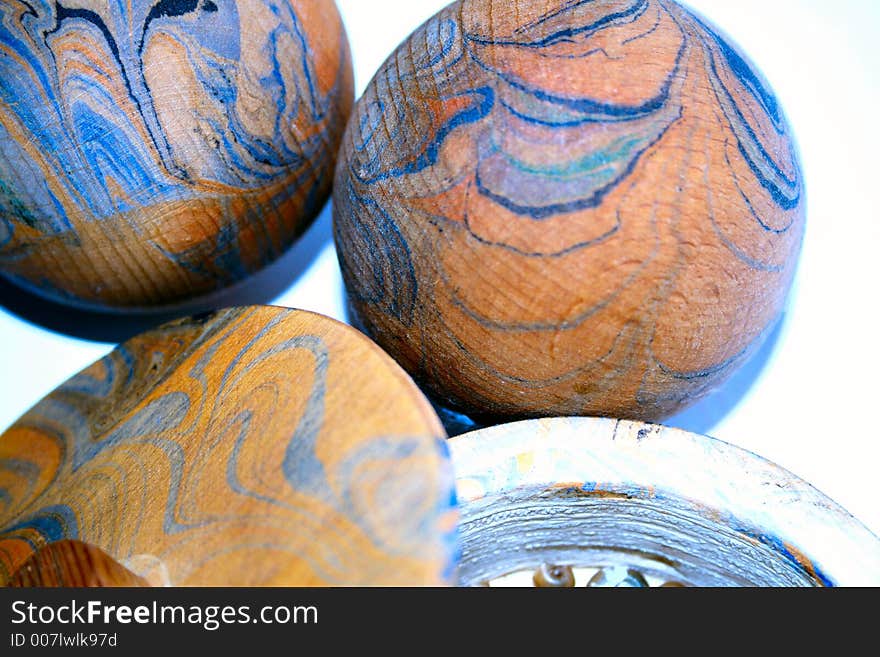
column 252, row 446
column 568, row 208
column 154, row 150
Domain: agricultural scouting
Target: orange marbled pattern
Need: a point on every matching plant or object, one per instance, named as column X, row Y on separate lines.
column 568, row 208
column 254, row 446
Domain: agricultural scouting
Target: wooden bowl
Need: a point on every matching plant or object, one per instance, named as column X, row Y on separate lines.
column 571, row 501
column 568, row 208
column 153, row 153
column 254, row 446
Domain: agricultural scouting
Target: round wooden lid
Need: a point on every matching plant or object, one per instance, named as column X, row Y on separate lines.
column 252, row 446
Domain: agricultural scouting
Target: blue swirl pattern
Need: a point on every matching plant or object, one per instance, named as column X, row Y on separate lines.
column 252, row 446
column 589, row 207
column 156, row 149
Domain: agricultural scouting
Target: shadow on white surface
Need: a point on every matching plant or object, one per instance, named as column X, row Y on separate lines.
column 260, row 288
column 707, row 413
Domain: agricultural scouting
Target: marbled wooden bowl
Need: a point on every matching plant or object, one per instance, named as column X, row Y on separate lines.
column 549, row 208
column 254, row 446
column 153, row 151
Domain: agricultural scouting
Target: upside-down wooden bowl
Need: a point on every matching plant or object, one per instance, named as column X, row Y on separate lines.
column 568, row 208
column 571, row 501
column 254, row 446
column 155, row 151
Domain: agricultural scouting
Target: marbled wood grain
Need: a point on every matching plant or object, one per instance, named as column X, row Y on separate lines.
column 552, row 207
column 254, row 446
column 156, row 150
column 73, row 563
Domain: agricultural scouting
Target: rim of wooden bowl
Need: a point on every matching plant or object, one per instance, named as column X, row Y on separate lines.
column 601, row 456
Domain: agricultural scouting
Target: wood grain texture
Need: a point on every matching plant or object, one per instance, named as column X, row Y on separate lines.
column 254, row 446
column 73, row 563
column 563, row 208
column 156, row 150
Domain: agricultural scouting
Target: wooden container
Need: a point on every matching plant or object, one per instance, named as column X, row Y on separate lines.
column 254, row 446
column 568, row 208
column 576, row 501
column 155, row 152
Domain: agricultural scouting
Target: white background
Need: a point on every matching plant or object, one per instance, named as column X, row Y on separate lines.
column 805, row 401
